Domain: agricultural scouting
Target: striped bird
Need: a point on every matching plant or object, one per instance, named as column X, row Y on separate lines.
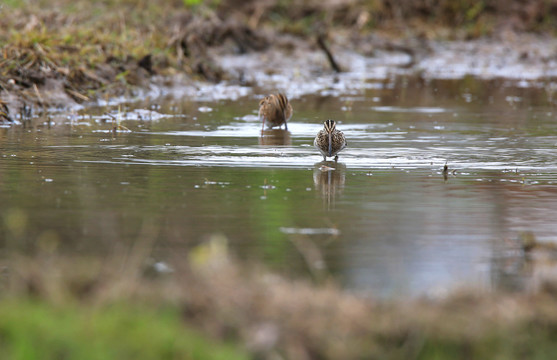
column 5, row 112
column 275, row 110
column 329, row 141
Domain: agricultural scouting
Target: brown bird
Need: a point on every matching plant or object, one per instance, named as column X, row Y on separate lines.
column 5, row 112
column 275, row 110
column 329, row 141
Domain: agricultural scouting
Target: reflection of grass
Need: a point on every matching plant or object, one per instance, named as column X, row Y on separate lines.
column 38, row 330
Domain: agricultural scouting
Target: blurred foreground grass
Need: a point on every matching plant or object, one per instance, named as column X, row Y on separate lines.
column 59, row 307
column 37, row 329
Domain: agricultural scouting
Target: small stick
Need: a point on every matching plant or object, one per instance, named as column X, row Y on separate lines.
column 323, row 46
column 77, row 95
column 38, row 94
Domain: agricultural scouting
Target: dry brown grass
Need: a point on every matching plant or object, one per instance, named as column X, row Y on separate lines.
column 279, row 318
column 79, row 49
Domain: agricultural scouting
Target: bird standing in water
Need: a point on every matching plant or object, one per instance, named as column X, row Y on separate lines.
column 329, row 140
column 5, row 112
column 275, row 110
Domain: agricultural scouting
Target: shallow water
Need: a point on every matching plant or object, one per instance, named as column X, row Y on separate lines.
column 384, row 220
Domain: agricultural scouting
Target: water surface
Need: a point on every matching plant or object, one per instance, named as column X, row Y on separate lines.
column 384, row 220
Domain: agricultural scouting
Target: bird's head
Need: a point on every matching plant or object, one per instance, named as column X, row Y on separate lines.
column 330, row 126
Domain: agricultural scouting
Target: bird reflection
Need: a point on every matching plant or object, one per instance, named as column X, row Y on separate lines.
column 275, row 137
column 329, row 178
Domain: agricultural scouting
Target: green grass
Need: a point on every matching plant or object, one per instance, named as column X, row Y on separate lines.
column 38, row 330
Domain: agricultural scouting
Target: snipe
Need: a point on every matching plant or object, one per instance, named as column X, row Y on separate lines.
column 329, row 140
column 4, row 112
column 275, row 110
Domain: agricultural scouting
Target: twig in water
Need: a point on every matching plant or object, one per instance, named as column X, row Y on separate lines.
column 330, row 57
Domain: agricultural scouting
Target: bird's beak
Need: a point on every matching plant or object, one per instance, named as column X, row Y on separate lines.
column 330, row 145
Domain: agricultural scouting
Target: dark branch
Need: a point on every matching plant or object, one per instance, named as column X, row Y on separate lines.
column 330, row 57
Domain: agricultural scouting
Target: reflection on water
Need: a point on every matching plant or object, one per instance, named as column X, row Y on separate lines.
column 329, row 178
column 387, row 219
column 275, row 137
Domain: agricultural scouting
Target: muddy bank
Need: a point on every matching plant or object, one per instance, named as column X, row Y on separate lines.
column 65, row 58
column 304, row 68
column 298, row 68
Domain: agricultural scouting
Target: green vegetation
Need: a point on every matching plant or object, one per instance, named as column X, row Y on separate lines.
column 32, row 329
